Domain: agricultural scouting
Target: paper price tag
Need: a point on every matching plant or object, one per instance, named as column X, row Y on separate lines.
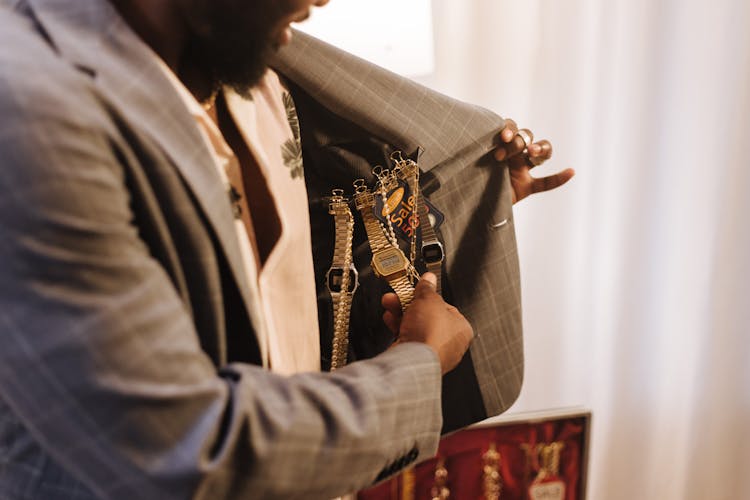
column 400, row 208
column 552, row 490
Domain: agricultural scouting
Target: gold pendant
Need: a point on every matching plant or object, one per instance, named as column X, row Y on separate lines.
column 440, row 489
column 547, row 485
column 491, row 478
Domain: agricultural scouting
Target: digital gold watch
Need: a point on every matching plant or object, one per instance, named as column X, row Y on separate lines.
column 388, row 261
column 342, row 278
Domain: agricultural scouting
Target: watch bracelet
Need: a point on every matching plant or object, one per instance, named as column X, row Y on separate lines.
column 364, row 201
column 341, row 301
column 429, row 236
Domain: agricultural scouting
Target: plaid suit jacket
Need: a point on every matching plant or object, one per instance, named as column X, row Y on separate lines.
column 352, row 116
column 128, row 366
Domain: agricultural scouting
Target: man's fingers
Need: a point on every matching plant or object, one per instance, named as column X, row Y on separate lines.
column 546, row 147
column 540, row 152
column 542, row 184
column 391, row 303
column 392, row 321
column 519, row 161
column 427, row 285
column 392, row 314
column 515, row 141
column 428, row 279
column 506, row 151
column 509, row 131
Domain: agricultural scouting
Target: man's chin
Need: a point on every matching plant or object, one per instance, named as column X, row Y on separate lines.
column 238, row 61
column 242, row 83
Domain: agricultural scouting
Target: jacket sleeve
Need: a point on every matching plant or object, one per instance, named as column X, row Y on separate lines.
column 101, row 363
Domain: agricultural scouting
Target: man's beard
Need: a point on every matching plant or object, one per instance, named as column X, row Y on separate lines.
column 233, row 47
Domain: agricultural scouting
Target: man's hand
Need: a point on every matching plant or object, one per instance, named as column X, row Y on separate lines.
column 431, row 321
column 523, row 155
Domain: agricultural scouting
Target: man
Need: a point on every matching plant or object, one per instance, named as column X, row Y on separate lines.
column 131, row 308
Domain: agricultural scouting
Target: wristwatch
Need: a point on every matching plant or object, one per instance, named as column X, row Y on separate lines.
column 342, row 278
column 388, row 261
column 431, row 249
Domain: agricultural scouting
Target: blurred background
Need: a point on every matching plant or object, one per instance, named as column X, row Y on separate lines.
column 635, row 275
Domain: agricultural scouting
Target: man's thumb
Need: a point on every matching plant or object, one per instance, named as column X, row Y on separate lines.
column 427, row 284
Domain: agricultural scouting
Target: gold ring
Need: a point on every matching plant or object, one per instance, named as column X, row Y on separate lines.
column 526, row 136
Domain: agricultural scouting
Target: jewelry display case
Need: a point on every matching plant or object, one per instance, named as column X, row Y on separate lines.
column 527, row 456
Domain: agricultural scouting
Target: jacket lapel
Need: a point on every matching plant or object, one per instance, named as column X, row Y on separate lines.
column 93, row 37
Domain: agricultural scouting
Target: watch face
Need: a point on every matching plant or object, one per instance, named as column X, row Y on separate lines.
column 390, row 263
column 432, row 253
column 335, row 279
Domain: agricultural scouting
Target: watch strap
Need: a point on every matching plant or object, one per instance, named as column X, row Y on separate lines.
column 404, row 290
column 429, row 238
column 342, row 259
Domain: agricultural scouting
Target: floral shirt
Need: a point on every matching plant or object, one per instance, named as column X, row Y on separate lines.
column 287, row 308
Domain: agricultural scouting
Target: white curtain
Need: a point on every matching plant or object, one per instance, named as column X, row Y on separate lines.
column 636, row 275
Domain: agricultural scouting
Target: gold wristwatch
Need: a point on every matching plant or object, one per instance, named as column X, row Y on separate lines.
column 342, row 278
column 431, row 249
column 388, row 261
